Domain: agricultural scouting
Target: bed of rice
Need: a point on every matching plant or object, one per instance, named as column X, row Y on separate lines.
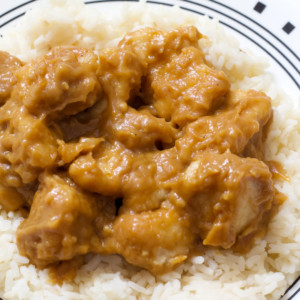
column 273, row 263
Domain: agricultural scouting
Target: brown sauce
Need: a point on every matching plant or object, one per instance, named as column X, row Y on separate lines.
column 142, row 150
column 277, row 171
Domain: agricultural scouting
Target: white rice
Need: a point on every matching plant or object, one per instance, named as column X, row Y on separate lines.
column 273, row 263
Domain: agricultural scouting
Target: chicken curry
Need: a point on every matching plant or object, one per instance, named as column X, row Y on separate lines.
column 141, row 150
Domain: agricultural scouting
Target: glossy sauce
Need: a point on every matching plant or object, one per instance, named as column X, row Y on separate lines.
column 142, row 150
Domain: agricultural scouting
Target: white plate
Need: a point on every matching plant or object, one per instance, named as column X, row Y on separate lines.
column 268, row 27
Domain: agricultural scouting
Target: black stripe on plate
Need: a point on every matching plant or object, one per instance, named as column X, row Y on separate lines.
column 157, row 2
column 13, row 9
column 101, row 1
column 255, row 32
column 12, row 19
column 253, row 41
column 298, row 290
column 291, row 286
column 261, row 26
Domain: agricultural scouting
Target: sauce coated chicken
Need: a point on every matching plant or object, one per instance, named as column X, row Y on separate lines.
column 141, row 150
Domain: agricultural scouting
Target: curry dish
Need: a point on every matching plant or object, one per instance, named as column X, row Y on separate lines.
column 141, row 150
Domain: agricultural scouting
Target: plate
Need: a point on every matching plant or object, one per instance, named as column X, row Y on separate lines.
column 269, row 28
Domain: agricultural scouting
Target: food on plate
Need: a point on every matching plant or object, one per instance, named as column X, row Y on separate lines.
column 138, row 144
column 170, row 143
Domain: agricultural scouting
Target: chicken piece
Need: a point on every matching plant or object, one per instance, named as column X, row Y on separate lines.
column 141, row 130
column 8, row 65
column 185, row 88
column 120, row 75
column 231, row 129
column 156, row 49
column 103, row 171
column 61, row 83
column 60, row 223
column 150, row 175
column 152, row 45
column 227, row 196
column 157, row 240
column 27, row 145
column 115, row 171
column 141, row 190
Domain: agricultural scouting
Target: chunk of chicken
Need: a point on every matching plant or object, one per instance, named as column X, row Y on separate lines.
column 231, row 129
column 27, row 145
column 103, row 171
column 8, row 65
column 152, row 45
column 62, row 82
column 60, row 223
column 157, row 241
column 150, row 174
column 227, row 196
column 120, row 75
column 185, row 88
column 141, row 130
